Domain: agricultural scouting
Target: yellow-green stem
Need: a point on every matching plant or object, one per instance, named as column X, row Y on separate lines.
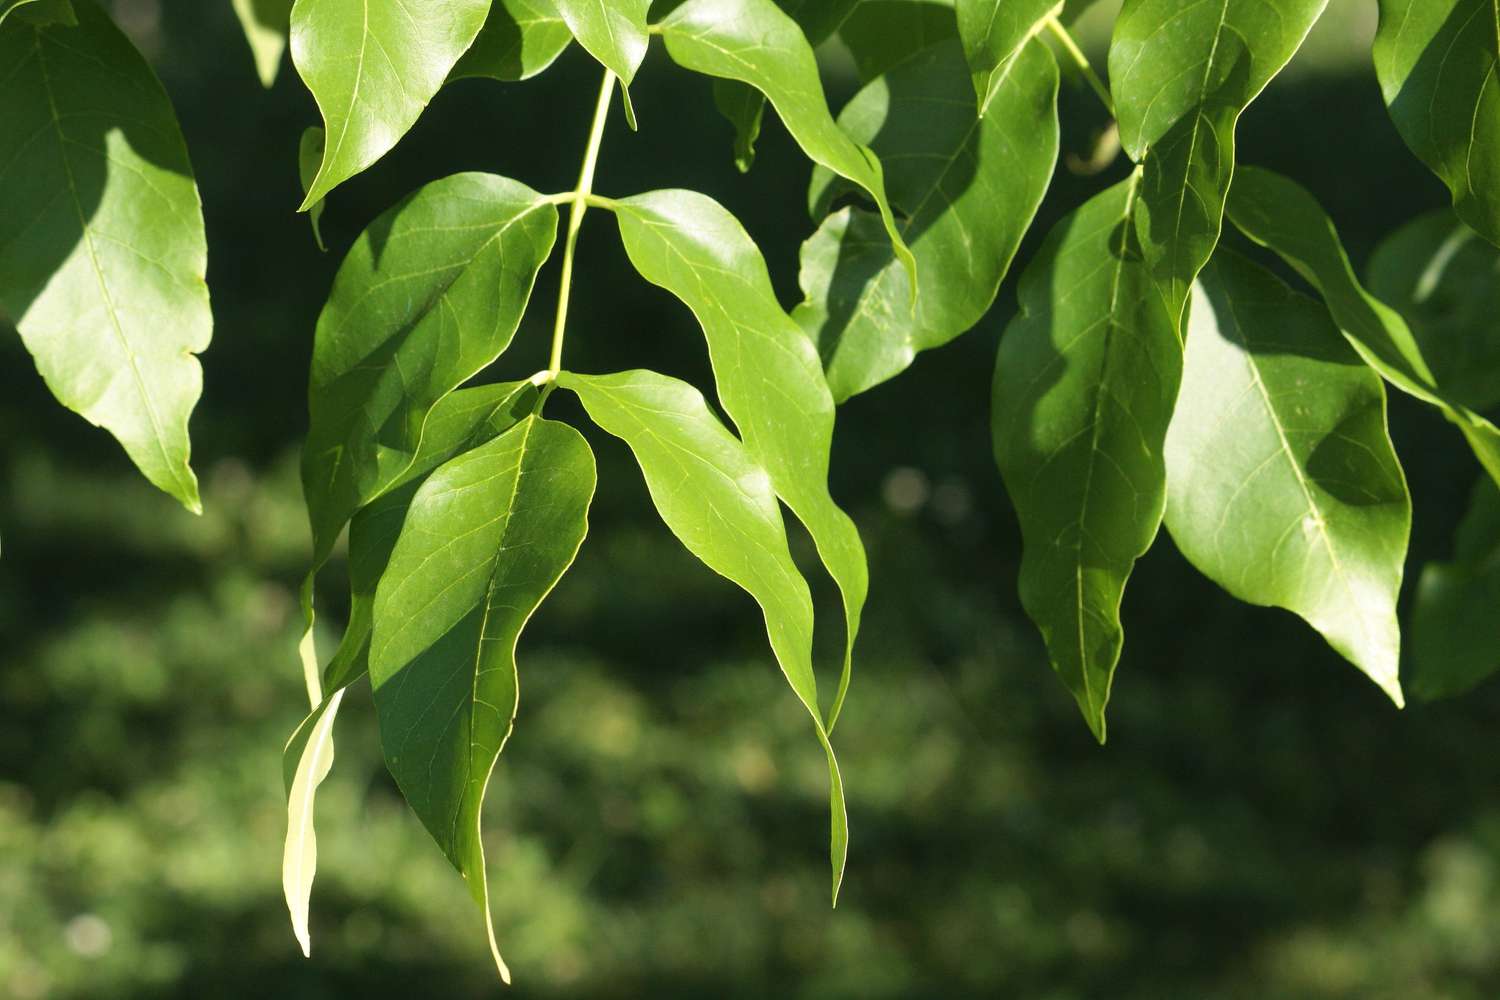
column 1065, row 39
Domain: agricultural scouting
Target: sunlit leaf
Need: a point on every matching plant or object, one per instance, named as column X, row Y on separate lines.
column 994, row 33
column 1283, row 485
column 266, row 24
column 520, row 39
column 102, row 250
column 306, row 761
column 613, row 32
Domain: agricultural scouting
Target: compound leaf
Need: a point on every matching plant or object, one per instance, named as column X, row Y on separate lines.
column 1454, row 629
column 770, row 380
column 967, row 188
column 486, row 538
column 720, row 504
column 520, row 39
column 1283, row 486
column 429, row 294
column 102, row 249
column 1084, row 385
column 372, row 66
column 1438, row 62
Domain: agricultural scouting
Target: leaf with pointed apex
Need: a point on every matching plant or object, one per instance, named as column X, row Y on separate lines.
column 460, row 422
column 995, row 33
column 1455, row 632
column 1283, row 486
column 770, row 380
column 309, row 156
column 1280, row 214
column 266, row 24
column 102, row 249
column 429, row 294
column 1178, row 94
column 486, row 538
column 372, row 66
column 882, row 34
column 1084, row 385
column 968, row 189
column 614, row 32
column 520, row 39
column 720, row 504
column 753, row 42
column 305, row 763
column 1438, row 62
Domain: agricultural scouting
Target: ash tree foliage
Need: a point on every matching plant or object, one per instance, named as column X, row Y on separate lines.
column 1153, row 375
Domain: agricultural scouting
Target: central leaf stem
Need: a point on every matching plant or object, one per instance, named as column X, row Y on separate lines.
column 1065, row 39
column 578, row 204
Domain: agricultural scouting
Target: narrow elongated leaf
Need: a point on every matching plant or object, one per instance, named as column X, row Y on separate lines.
column 967, row 188
column 1283, row 485
column 520, row 39
column 486, row 538
column 1181, row 73
column 306, row 761
column 720, row 504
column 372, row 66
column 754, row 42
column 1281, row 215
column 994, row 33
column 1455, row 631
column 1439, row 67
column 102, row 251
column 266, row 24
column 1084, row 386
column 882, row 34
column 429, row 294
column 613, row 32
column 769, row 377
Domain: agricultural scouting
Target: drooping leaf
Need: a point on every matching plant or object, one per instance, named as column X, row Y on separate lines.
column 1283, row 486
column 720, row 504
column 613, row 32
column 770, row 380
column 882, row 34
column 460, row 422
column 486, row 538
column 1455, row 631
column 753, row 42
column 1281, row 215
column 520, row 39
column 306, row 761
column 967, row 189
column 372, row 66
column 309, row 156
column 429, row 294
column 994, row 33
column 1439, row 67
column 1181, row 74
column 266, row 24
column 1084, row 385
column 102, row 250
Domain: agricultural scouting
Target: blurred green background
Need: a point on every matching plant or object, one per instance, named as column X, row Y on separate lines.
column 1262, row 824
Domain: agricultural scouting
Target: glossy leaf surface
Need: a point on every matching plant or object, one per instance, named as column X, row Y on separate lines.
column 1283, row 485
column 486, row 538
column 102, row 249
column 1084, row 386
column 994, row 33
column 613, row 32
column 520, row 39
column 720, row 504
column 967, row 190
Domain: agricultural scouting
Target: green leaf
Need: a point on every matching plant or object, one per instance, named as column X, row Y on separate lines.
column 1283, row 486
column 882, row 34
column 995, row 33
column 753, row 42
column 102, row 250
column 1084, row 385
column 429, row 294
column 460, row 422
column 1455, row 631
column 614, row 32
column 967, row 188
column 720, row 504
column 372, row 66
column 819, row 19
column 309, row 156
column 1281, row 215
column 305, row 761
column 1181, row 75
column 41, row 13
column 520, row 39
column 769, row 377
column 266, row 24
column 1439, row 67
column 486, row 538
